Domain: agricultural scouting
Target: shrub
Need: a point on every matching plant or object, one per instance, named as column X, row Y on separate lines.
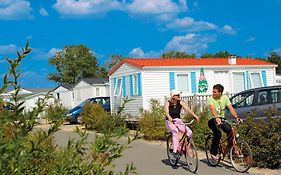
column 152, row 124
column 55, row 112
column 199, row 129
column 96, row 118
column 27, row 151
column 264, row 138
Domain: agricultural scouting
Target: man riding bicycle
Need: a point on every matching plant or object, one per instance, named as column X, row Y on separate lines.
column 217, row 104
column 173, row 122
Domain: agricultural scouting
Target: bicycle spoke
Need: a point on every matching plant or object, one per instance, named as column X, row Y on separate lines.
column 241, row 156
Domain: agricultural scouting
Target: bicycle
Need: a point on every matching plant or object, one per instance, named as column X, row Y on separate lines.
column 186, row 148
column 239, row 153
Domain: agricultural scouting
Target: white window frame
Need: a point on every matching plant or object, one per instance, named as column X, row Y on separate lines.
column 117, row 92
column 189, row 82
column 135, row 84
column 251, row 79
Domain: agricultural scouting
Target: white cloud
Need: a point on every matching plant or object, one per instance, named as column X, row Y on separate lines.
column 188, row 24
column 160, row 10
column 277, row 50
column 39, row 54
column 139, row 53
column 190, row 43
column 250, row 39
column 43, row 12
column 228, row 30
column 15, row 9
column 52, row 52
column 85, row 7
column 153, row 7
column 8, row 49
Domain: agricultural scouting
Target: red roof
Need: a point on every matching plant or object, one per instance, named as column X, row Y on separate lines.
column 142, row 62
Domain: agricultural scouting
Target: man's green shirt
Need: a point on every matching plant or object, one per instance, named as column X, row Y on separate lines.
column 220, row 105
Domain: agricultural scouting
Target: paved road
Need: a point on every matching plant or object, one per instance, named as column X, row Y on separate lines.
column 150, row 158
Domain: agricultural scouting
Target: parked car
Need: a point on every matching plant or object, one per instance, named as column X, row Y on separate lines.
column 74, row 113
column 258, row 100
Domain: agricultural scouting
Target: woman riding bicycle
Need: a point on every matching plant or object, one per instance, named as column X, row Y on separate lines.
column 173, row 122
column 217, row 104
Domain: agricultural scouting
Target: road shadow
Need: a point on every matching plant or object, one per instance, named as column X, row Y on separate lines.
column 225, row 164
column 180, row 164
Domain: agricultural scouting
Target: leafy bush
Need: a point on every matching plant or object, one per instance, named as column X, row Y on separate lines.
column 152, row 124
column 55, row 112
column 264, row 138
column 24, row 150
column 96, row 118
column 199, row 129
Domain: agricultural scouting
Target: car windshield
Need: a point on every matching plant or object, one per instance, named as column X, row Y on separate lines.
column 83, row 103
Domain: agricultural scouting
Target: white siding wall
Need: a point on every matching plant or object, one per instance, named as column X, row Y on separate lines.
column 66, row 97
column 133, row 106
column 82, row 91
column 155, row 85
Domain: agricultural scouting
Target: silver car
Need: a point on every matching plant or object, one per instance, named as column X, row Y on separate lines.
column 262, row 101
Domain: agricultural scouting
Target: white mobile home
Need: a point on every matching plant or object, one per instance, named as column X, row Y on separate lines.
column 89, row 88
column 143, row 79
column 64, row 93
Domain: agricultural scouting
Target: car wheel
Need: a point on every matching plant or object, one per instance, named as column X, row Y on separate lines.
column 78, row 119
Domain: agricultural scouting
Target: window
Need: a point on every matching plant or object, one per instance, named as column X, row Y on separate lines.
column 183, row 82
column 58, row 95
column 243, row 100
column 238, row 82
column 118, row 85
column 97, row 92
column 255, row 80
column 135, row 84
column 268, row 96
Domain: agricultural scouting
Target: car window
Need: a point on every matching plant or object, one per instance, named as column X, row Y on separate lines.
column 243, row 100
column 268, row 96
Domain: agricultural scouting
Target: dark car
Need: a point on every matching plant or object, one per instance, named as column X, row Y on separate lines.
column 74, row 113
column 260, row 100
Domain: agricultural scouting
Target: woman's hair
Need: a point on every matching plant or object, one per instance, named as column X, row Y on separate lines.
column 219, row 87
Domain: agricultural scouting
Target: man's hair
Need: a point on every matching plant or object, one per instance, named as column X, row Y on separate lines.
column 219, row 87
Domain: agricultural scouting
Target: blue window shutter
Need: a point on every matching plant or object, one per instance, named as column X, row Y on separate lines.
column 114, row 85
column 263, row 74
column 131, row 86
column 139, row 84
column 124, row 86
column 193, row 82
column 247, row 79
column 172, row 80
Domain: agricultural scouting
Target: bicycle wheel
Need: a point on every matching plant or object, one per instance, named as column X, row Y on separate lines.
column 171, row 158
column 208, row 144
column 241, row 156
column 191, row 156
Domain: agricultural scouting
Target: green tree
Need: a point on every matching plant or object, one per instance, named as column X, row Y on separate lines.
column 177, row 54
column 222, row 54
column 74, row 62
column 207, row 55
column 276, row 59
column 114, row 59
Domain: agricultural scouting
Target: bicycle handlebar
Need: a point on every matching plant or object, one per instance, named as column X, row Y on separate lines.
column 189, row 123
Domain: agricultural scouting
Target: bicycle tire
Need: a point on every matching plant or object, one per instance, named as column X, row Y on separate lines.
column 169, row 143
column 208, row 143
column 241, row 158
column 191, row 156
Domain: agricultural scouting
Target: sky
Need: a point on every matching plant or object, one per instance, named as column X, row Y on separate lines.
column 134, row 28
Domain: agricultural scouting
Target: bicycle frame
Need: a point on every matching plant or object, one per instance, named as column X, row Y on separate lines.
column 233, row 140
